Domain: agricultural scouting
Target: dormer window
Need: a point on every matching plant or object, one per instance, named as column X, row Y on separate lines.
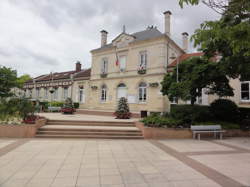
column 104, row 66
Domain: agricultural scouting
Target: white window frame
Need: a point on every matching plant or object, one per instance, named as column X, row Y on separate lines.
column 103, row 94
column 37, row 92
column 142, row 91
column 55, row 94
column 143, row 60
column 65, row 92
column 122, row 69
column 124, row 87
column 104, row 66
column 81, row 95
column 45, row 93
column 245, row 82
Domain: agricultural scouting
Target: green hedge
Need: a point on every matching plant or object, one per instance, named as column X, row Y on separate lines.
column 225, row 110
column 190, row 114
column 160, row 121
column 244, row 113
column 56, row 103
column 76, row 105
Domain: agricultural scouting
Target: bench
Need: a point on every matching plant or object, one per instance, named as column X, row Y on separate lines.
column 198, row 129
column 54, row 109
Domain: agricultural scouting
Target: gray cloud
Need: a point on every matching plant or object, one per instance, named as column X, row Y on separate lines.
column 40, row 36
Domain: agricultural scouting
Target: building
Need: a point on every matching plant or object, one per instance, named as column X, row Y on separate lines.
column 241, row 88
column 131, row 66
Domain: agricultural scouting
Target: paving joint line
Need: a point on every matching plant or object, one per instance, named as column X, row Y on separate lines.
column 211, row 173
column 231, row 146
column 10, row 147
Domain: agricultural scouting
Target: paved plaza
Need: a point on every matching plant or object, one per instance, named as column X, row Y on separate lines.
column 124, row 163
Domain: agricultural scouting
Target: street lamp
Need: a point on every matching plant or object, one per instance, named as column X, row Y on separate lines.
column 177, row 66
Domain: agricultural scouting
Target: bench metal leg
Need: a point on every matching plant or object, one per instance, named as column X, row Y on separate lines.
column 221, row 136
column 194, row 135
column 215, row 135
column 199, row 136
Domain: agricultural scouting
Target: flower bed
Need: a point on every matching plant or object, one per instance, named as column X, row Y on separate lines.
column 22, row 130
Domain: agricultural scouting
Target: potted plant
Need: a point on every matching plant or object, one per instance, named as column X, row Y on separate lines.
column 141, row 70
column 122, row 111
column 68, row 107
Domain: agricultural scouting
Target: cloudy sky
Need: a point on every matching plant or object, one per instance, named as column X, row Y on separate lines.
column 40, row 36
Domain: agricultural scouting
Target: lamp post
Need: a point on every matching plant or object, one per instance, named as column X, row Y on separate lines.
column 177, row 66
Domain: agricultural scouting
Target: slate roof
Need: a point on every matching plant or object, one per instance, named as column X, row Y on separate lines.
column 139, row 36
column 61, row 76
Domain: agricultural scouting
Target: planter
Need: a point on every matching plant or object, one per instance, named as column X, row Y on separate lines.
column 21, row 131
column 142, row 71
column 171, row 133
column 104, row 75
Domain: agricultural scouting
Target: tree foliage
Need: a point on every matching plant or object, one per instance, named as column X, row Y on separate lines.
column 195, row 74
column 228, row 37
column 22, row 79
column 8, row 80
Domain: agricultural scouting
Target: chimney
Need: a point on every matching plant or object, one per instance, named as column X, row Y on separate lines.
column 185, row 41
column 104, row 35
column 167, row 15
column 78, row 66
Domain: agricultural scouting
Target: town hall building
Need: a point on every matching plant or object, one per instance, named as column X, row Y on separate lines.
column 131, row 66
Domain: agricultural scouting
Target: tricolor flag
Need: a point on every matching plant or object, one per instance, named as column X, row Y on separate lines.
column 117, row 59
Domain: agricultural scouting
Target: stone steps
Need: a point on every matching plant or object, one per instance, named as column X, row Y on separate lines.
column 89, row 129
column 91, row 123
column 102, row 113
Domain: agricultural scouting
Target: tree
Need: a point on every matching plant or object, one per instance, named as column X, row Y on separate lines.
column 8, row 80
column 122, row 111
column 22, row 79
column 195, row 74
column 228, row 37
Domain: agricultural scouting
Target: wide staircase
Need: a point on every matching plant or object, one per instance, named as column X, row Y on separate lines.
column 89, row 129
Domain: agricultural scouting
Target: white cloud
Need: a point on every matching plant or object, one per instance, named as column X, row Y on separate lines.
column 42, row 36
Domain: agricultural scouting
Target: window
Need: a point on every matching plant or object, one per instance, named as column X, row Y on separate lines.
column 37, row 92
column 65, row 92
column 245, row 91
column 30, row 92
column 121, row 91
column 104, row 68
column 143, row 60
column 46, row 93
column 55, row 93
column 104, row 93
column 122, row 61
column 142, row 92
column 81, row 95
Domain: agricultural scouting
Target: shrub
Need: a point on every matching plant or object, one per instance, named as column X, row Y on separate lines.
column 56, row 104
column 245, row 124
column 224, row 110
column 44, row 105
column 122, row 111
column 244, row 113
column 76, row 105
column 189, row 114
column 160, row 121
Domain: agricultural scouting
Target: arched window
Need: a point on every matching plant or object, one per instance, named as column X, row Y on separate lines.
column 121, row 91
column 104, row 93
column 142, row 95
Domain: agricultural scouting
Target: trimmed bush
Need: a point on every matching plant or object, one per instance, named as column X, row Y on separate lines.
column 189, row 114
column 56, row 104
column 122, row 111
column 244, row 113
column 225, row 110
column 161, row 122
column 76, row 105
column 224, row 125
column 44, row 105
